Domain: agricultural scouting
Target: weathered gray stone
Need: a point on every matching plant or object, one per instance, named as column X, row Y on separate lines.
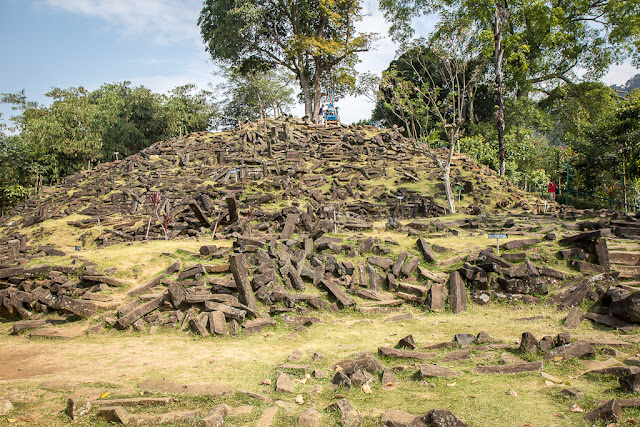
column 407, row 342
column 457, row 293
column 576, row 349
column 404, row 354
column 572, row 393
column 256, row 325
column 515, row 368
column 284, row 384
column 410, row 266
column 128, row 319
column 241, row 277
column 78, row 407
column 397, row 266
column 435, row 371
column 609, row 411
column 574, row 318
column 442, row 418
column 310, row 418
column 528, row 343
column 389, row 381
column 6, row 406
column 426, row 251
column 437, row 297
column 630, row 383
column 217, row 323
column 627, row 309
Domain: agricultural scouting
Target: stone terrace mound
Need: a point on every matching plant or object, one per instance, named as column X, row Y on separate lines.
column 299, row 218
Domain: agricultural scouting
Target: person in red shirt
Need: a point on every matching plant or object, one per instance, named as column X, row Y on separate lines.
column 552, row 191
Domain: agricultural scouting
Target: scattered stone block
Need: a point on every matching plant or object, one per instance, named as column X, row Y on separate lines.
column 630, row 383
column 310, row 418
column 528, row 343
column 404, row 354
column 515, row 368
column 609, row 411
column 574, row 318
column 457, row 293
column 284, row 384
column 407, row 342
column 442, row 417
column 6, row 406
column 435, row 371
column 573, row 393
column 574, row 350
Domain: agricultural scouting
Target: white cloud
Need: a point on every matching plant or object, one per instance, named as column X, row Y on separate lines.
column 619, row 74
column 166, row 21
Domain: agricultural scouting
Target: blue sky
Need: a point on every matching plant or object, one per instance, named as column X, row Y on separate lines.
column 155, row 43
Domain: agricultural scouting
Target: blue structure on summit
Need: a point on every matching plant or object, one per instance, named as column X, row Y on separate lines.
column 332, row 117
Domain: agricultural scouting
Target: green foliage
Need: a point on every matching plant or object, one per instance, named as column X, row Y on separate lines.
column 575, row 109
column 82, row 127
column 252, row 96
column 313, row 39
column 545, row 41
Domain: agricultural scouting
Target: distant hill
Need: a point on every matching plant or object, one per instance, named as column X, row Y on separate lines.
column 630, row 85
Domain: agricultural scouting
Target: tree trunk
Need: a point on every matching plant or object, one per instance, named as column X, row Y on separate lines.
column 446, row 177
column 305, row 85
column 317, row 95
column 499, row 52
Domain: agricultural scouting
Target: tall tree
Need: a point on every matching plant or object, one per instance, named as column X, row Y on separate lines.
column 310, row 38
column 502, row 14
column 250, row 96
column 545, row 41
column 444, row 76
column 187, row 110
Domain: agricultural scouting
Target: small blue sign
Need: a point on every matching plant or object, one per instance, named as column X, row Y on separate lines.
column 498, row 236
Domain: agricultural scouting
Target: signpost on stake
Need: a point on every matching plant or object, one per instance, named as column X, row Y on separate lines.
column 498, row 236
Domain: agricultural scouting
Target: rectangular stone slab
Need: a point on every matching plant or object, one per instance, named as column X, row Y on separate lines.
column 435, row 371
column 241, row 276
column 411, row 265
column 229, row 312
column 404, row 354
column 11, row 272
column 397, row 266
column 135, row 401
column 289, row 226
column 509, row 369
column 128, row 319
column 437, row 297
column 343, row 298
column 257, row 325
column 217, row 323
column 603, row 254
column 574, row 318
column 200, row 215
column 142, row 289
column 612, row 322
column 426, row 251
column 74, row 306
column 214, row 390
column 111, row 281
column 457, row 293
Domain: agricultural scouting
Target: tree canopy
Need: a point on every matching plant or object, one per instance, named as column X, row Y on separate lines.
column 545, row 41
column 310, row 38
column 80, row 127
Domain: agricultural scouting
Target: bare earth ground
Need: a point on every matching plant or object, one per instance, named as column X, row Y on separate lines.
column 45, row 371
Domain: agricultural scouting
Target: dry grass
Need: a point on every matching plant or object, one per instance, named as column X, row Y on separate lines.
column 118, row 361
